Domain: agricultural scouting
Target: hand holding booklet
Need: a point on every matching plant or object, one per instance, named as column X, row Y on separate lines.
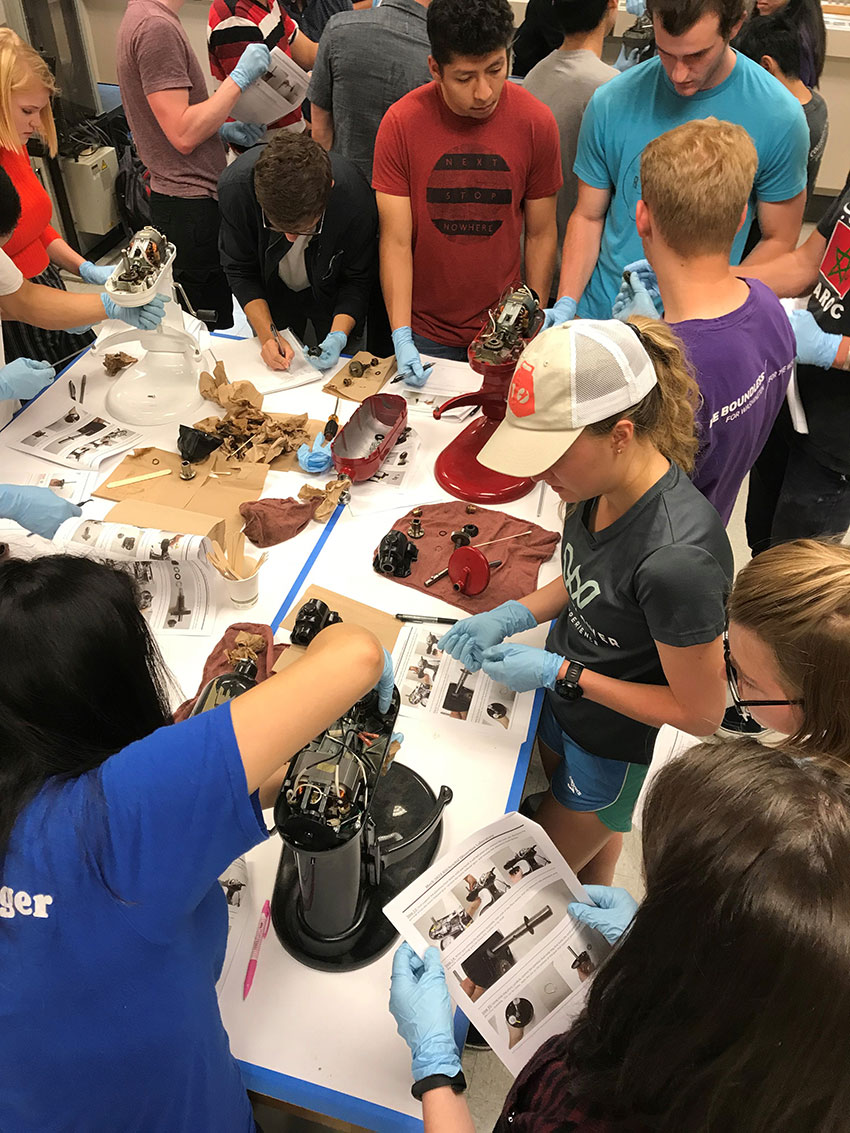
column 517, row 964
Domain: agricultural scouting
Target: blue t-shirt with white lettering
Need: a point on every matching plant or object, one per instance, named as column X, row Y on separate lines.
column 112, row 934
column 628, row 112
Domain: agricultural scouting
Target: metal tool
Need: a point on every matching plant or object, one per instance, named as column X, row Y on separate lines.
column 504, row 539
column 332, row 426
column 72, row 390
column 82, row 389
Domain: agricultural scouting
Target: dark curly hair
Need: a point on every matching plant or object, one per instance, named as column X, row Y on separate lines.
column 469, row 28
column 292, row 180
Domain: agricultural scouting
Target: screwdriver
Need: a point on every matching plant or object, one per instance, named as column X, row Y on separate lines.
column 332, row 427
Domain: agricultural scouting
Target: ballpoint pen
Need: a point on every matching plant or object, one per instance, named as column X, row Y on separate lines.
column 259, row 936
column 420, row 619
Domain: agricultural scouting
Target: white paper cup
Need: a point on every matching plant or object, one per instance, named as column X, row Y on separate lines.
column 243, row 592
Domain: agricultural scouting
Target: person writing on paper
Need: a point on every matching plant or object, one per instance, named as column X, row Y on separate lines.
column 38, row 509
column 603, row 412
column 34, row 247
column 180, row 133
column 114, row 827
column 299, row 245
column 718, row 1010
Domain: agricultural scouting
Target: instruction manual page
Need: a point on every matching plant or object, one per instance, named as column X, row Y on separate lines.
column 517, row 964
column 76, row 439
column 173, row 582
column 431, row 681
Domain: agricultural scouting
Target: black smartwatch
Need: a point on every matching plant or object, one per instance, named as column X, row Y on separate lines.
column 568, row 686
column 434, row 1081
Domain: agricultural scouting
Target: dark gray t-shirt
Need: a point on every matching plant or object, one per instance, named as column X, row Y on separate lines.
column 366, row 62
column 661, row 572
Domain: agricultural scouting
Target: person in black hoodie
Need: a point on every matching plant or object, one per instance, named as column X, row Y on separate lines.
column 298, row 244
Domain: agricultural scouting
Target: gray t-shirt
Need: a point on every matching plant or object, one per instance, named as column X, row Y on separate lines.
column 565, row 81
column 661, row 572
column 817, row 119
column 366, row 62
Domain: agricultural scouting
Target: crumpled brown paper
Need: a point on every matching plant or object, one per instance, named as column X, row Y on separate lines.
column 217, row 387
column 259, row 437
column 247, row 647
column 115, row 363
column 329, row 497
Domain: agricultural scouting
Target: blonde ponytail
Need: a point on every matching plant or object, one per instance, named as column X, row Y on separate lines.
column 666, row 415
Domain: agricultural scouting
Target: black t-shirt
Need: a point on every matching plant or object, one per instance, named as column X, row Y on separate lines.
column 826, row 393
column 537, row 37
column 661, row 572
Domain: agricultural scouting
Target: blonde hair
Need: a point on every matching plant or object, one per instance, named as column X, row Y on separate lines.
column 796, row 599
column 696, row 181
column 21, row 68
column 666, row 415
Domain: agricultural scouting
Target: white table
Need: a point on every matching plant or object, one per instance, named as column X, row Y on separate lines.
column 326, row 1042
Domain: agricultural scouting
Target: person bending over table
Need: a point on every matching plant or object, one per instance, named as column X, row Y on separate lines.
column 465, row 167
column 299, row 244
column 114, row 827
column 35, row 248
column 719, row 1008
column 603, row 412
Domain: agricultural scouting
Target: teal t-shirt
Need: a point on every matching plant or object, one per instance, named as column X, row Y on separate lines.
column 625, row 114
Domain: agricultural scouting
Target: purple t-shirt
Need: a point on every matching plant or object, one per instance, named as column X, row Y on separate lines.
column 743, row 365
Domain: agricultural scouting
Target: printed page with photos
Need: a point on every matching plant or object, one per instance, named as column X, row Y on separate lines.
column 517, row 964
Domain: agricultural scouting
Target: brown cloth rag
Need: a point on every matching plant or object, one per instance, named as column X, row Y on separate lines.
column 219, row 662
column 269, row 522
column 521, row 558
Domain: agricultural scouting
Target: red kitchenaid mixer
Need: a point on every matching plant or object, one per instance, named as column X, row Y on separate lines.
column 493, row 353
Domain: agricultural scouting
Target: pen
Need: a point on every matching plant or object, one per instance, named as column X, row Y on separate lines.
column 420, row 620
column 278, row 343
column 259, row 936
column 82, row 389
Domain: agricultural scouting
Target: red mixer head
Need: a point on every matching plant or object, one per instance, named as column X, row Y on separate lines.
column 510, row 326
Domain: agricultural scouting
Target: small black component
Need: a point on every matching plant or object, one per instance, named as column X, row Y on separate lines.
column 313, row 617
column 461, row 539
column 314, row 352
column 470, row 529
column 395, row 555
column 374, row 362
column 195, row 445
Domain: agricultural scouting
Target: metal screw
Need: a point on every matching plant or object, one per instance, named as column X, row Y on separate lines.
column 415, row 530
column 187, row 472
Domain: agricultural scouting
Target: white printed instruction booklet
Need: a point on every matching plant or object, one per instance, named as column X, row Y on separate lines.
column 517, row 964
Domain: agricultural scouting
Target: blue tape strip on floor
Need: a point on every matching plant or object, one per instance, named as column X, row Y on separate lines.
column 308, row 566
column 332, row 1103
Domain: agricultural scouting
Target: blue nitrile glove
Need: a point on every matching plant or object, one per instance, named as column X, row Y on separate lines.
column 253, row 64
column 468, row 638
column 147, row 317
column 611, row 915
column 407, row 359
column 386, row 684
column 244, row 134
column 633, row 298
column 521, row 667
column 24, row 378
column 422, row 1009
column 815, row 347
column 397, row 738
column 37, row 509
column 317, row 459
column 636, row 7
column 331, row 347
column 564, row 311
column 623, row 61
column 91, row 273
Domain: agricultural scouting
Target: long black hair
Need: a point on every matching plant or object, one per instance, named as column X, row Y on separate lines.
column 80, row 674
column 725, row 1004
column 806, row 17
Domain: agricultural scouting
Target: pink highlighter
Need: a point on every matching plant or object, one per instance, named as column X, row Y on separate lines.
column 259, row 936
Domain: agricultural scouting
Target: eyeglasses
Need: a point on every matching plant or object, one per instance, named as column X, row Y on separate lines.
column 314, row 231
column 732, row 681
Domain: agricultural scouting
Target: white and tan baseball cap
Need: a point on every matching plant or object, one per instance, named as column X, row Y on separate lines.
column 570, row 376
